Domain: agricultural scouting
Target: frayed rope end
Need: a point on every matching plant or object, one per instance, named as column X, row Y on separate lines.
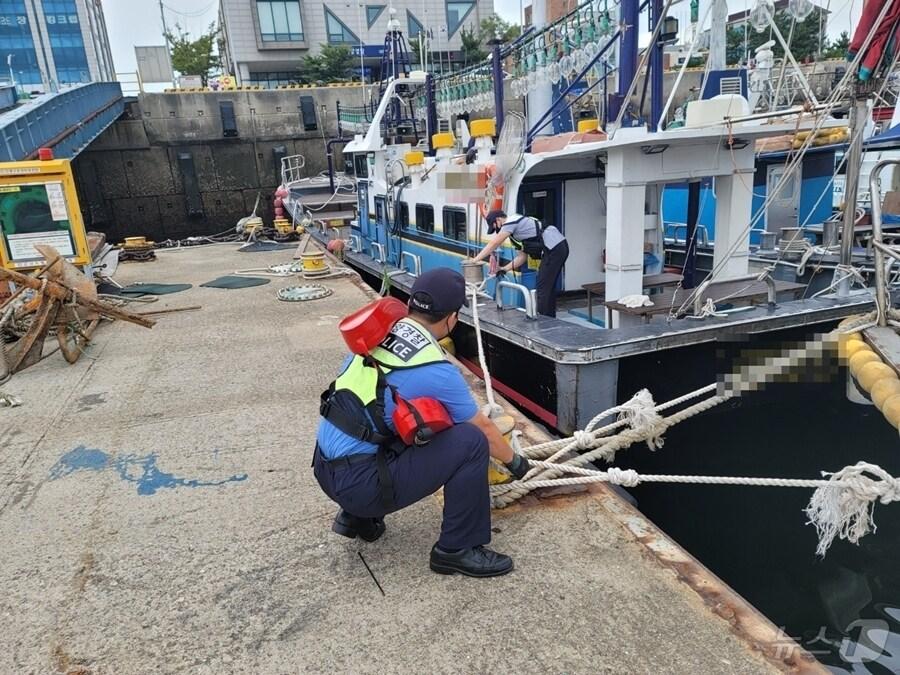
column 640, row 412
column 845, row 510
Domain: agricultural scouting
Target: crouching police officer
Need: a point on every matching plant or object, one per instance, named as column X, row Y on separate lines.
column 360, row 463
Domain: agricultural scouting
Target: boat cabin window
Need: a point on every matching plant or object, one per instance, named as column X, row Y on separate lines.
column 454, row 223
column 360, row 165
column 424, row 217
column 403, row 215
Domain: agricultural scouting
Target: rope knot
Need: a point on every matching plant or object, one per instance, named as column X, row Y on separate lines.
column 584, row 440
column 844, row 508
column 640, row 413
column 623, row 477
column 869, row 482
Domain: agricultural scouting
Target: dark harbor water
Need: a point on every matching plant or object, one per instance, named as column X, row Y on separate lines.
column 845, row 608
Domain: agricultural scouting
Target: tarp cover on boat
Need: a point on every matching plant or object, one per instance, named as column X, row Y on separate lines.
column 884, row 140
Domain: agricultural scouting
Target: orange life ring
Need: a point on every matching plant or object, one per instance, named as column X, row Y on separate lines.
column 497, row 203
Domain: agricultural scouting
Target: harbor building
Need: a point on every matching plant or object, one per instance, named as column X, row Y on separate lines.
column 50, row 44
column 264, row 41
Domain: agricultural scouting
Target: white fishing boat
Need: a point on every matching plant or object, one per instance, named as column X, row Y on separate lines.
column 625, row 320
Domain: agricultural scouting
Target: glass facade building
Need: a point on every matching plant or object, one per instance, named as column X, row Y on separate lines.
column 17, row 44
column 51, row 43
column 66, row 41
column 265, row 42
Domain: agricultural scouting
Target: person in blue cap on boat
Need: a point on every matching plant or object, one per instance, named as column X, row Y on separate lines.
column 531, row 239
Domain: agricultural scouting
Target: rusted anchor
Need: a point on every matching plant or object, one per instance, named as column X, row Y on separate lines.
column 65, row 300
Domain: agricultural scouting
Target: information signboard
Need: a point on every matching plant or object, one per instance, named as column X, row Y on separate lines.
column 39, row 205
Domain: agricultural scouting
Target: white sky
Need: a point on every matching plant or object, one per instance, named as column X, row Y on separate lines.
column 137, row 22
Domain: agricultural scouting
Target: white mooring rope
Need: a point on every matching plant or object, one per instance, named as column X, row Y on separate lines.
column 841, row 506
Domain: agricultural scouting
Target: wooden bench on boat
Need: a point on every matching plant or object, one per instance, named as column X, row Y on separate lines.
column 650, row 281
column 733, row 291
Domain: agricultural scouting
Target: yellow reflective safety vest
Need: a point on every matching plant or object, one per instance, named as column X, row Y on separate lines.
column 354, row 402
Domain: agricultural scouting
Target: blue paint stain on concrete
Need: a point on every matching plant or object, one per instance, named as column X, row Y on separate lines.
column 142, row 471
column 79, row 458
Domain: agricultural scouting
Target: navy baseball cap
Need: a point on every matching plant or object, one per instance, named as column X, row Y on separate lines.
column 492, row 216
column 438, row 291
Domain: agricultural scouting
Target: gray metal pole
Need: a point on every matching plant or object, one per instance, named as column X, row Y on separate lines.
column 162, row 15
column 851, row 185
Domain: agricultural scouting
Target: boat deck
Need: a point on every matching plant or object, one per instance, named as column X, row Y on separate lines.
column 158, row 514
column 577, row 341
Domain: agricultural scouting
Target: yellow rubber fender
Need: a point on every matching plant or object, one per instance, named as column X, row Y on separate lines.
column 861, row 358
column 871, row 372
column 849, row 344
column 891, row 410
column 883, row 389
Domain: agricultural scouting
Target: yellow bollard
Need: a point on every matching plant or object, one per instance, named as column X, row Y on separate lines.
column 505, row 424
column 313, row 262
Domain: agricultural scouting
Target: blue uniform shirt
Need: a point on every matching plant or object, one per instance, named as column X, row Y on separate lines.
column 441, row 381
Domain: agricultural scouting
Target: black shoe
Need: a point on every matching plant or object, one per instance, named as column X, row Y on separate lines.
column 351, row 526
column 473, row 562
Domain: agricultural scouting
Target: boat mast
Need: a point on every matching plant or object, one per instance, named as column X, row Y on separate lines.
column 539, row 97
column 629, row 15
column 656, row 63
column 717, row 33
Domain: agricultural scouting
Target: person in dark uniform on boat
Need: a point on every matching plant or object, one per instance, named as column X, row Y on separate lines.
column 360, row 462
column 531, row 239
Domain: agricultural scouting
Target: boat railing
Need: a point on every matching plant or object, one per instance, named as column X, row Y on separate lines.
column 292, row 168
column 882, row 301
column 765, row 275
column 355, row 243
column 416, row 263
column 701, row 230
column 519, row 288
column 375, row 246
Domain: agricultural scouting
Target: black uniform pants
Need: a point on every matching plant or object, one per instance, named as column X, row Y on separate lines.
column 456, row 459
column 548, row 274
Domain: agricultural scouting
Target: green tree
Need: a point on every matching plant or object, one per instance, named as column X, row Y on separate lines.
column 415, row 47
column 333, row 63
column 194, row 57
column 804, row 43
column 494, row 26
column 838, row 48
column 471, row 46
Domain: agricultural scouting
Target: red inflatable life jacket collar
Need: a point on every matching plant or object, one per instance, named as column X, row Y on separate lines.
column 367, row 327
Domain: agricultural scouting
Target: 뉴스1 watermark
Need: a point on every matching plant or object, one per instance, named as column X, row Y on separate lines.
column 864, row 641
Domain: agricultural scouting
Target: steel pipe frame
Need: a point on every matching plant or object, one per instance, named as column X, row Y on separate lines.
column 771, row 288
column 878, row 239
column 529, row 300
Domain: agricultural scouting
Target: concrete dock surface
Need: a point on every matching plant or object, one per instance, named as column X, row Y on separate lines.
column 158, row 514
